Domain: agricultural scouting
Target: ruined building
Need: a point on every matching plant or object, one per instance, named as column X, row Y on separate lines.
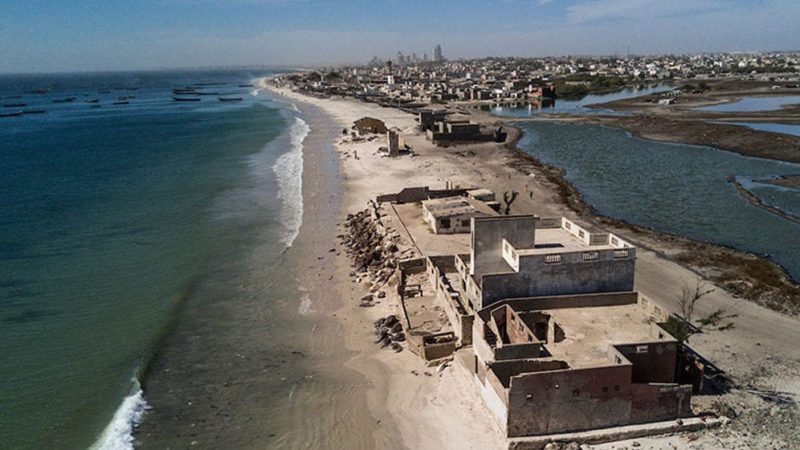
column 549, row 325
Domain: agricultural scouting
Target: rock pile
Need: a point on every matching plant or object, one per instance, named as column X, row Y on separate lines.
column 373, row 252
column 389, row 331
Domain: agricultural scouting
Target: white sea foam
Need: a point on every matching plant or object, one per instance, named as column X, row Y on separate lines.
column 306, row 306
column 289, row 172
column 118, row 435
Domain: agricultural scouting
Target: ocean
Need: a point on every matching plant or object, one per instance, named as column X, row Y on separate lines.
column 118, row 205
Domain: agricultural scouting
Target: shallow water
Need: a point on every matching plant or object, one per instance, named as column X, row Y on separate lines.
column 675, row 188
column 782, row 128
column 752, row 104
column 576, row 106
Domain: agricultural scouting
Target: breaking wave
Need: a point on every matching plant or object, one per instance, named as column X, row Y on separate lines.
column 289, row 172
column 118, row 435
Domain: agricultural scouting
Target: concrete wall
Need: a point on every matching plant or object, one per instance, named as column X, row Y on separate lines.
column 505, row 370
column 566, row 301
column 518, row 351
column 487, row 241
column 569, row 400
column 457, row 314
column 559, row 279
column 652, row 362
column 657, row 402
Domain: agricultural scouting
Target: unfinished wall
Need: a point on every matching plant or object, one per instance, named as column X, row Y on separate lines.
column 657, row 402
column 487, row 241
column 652, row 362
column 559, row 279
column 519, row 351
column 504, row 370
column 569, row 400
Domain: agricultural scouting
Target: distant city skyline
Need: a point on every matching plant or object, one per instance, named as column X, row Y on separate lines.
column 74, row 35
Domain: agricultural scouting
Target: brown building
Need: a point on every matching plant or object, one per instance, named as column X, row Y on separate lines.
column 369, row 125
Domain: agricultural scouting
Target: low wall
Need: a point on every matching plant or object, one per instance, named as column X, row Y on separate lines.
column 654, row 402
column 518, row 351
column 418, row 194
column 564, row 301
column 569, row 400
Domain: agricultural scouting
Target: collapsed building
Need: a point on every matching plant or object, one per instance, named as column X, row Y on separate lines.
column 544, row 315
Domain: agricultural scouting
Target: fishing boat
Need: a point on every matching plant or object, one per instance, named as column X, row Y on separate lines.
column 121, row 102
column 65, row 100
column 245, row 85
column 11, row 114
column 184, row 91
column 40, row 91
column 186, row 99
column 14, row 105
column 208, row 93
column 34, row 111
column 93, row 100
column 230, row 99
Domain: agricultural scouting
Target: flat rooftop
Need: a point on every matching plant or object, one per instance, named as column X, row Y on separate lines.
column 556, row 240
column 456, row 206
column 591, row 331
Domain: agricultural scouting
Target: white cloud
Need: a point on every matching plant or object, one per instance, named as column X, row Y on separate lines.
column 639, row 9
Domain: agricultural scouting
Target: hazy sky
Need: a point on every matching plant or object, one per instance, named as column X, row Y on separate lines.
column 74, row 35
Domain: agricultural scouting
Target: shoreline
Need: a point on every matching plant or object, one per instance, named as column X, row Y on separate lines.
column 250, row 373
column 660, row 270
column 400, row 401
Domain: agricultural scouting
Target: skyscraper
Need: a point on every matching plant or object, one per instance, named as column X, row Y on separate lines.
column 437, row 53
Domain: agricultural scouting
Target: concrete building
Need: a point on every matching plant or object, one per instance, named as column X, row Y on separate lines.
column 369, row 125
column 453, row 214
column 395, row 142
column 560, row 341
column 559, row 364
column 528, row 256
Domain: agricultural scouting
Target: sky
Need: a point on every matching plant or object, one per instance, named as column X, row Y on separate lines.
column 92, row 35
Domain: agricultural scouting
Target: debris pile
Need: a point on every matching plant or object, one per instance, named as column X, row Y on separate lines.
column 389, row 331
column 373, row 252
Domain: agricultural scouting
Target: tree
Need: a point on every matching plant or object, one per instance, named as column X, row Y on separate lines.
column 509, row 198
column 683, row 326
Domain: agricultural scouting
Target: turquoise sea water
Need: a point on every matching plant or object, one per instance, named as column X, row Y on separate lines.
column 110, row 217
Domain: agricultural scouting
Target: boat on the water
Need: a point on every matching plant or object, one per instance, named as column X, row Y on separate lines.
column 186, row 99
column 184, row 91
column 34, row 111
column 230, row 99
column 39, row 91
column 121, row 102
column 11, row 114
column 65, row 100
column 208, row 93
column 14, row 105
column 245, row 85
column 93, row 100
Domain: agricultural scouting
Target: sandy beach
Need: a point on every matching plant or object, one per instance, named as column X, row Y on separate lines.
column 443, row 410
